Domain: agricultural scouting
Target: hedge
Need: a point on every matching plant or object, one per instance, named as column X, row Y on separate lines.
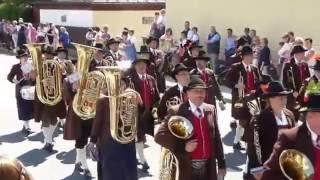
column 14, row 12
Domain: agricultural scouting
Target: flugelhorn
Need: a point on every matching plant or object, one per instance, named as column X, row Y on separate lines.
column 84, row 102
column 295, row 165
column 49, row 76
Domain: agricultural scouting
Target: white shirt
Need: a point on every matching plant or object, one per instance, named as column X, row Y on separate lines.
column 314, row 136
column 194, row 109
column 180, row 87
column 246, row 66
column 142, row 76
column 281, row 121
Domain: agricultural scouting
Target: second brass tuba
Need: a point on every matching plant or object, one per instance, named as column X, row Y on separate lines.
column 84, row 102
column 123, row 106
column 49, row 76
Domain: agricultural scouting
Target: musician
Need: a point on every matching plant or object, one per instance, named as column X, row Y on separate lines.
column 315, row 78
column 45, row 113
column 193, row 52
column 268, row 122
column 98, row 58
column 242, row 78
column 197, row 156
column 116, row 160
column 181, row 74
column 304, row 138
column 207, row 75
column 113, row 50
column 155, row 68
column 20, row 76
column 294, row 73
column 146, row 86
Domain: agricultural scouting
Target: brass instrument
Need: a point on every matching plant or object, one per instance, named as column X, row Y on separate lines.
column 295, row 165
column 123, row 106
column 49, row 76
column 290, row 75
column 108, row 61
column 241, row 93
column 84, row 102
column 173, row 101
column 181, row 128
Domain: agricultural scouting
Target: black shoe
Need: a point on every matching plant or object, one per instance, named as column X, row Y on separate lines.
column 138, row 162
column 48, row 147
column 145, row 167
column 26, row 131
column 233, row 124
column 60, row 125
column 87, row 173
column 78, row 167
column 238, row 146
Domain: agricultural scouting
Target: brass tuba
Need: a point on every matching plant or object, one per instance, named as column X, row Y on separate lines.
column 49, row 76
column 84, row 102
column 123, row 106
column 296, row 165
column 181, row 128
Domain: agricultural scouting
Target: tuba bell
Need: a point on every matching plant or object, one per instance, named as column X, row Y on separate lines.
column 49, row 76
column 181, row 128
column 84, row 102
column 296, row 165
column 123, row 106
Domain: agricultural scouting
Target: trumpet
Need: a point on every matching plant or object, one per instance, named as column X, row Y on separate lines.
column 295, row 165
column 239, row 103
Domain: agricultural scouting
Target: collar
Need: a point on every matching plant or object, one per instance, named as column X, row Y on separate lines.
column 245, row 66
column 180, row 87
column 201, row 71
column 194, row 108
column 97, row 61
column 142, row 76
column 314, row 136
column 297, row 61
column 281, row 121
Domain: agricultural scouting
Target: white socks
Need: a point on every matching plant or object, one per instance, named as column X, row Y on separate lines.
column 82, row 157
column 48, row 133
column 239, row 134
column 139, row 148
column 26, row 124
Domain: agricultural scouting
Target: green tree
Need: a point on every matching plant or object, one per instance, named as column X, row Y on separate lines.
column 13, row 9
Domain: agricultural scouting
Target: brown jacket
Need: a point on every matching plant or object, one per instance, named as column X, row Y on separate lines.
column 267, row 128
column 214, row 90
column 177, row 146
column 298, row 138
column 232, row 79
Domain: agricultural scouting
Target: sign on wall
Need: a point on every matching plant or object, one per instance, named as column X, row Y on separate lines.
column 147, row 20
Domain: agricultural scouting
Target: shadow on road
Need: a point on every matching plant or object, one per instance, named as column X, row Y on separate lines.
column 15, row 137
column 235, row 159
column 34, row 157
column 67, row 157
column 36, row 137
column 228, row 138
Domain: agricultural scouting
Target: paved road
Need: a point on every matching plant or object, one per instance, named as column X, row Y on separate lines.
column 59, row 165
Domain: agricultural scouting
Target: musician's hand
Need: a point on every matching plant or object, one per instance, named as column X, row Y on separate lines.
column 295, row 94
column 75, row 86
column 252, row 91
column 33, row 74
column 191, row 145
column 139, row 100
column 258, row 176
column 222, row 172
column 15, row 81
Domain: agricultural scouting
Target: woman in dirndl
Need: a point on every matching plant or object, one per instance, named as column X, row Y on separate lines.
column 20, row 76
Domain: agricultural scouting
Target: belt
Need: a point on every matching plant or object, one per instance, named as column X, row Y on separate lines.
column 199, row 164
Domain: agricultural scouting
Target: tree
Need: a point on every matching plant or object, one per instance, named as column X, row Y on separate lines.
column 13, row 9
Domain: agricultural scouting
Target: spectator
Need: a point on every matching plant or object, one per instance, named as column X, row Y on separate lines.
column 2, row 23
column 309, row 54
column 22, row 36
column 264, row 56
column 186, row 31
column 154, row 31
column 41, row 34
column 291, row 36
column 55, row 36
column 64, row 39
column 13, row 169
column 284, row 52
column 129, row 48
column 161, row 21
column 213, row 46
column 132, row 37
column 14, row 34
column 50, row 34
column 256, row 47
column 31, row 34
column 246, row 37
column 89, row 37
column 194, row 36
column 298, row 41
column 253, row 33
column 104, row 34
column 230, row 47
column 167, row 40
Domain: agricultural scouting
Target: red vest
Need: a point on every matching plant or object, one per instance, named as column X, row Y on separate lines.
column 250, row 81
column 146, row 93
column 202, row 134
column 317, row 165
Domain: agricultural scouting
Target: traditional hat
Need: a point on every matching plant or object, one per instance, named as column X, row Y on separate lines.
column 21, row 53
column 177, row 68
column 297, row 49
column 312, row 103
column 246, row 50
column 48, row 50
column 61, row 49
column 316, row 66
column 142, row 57
column 275, row 88
column 201, row 57
column 265, row 79
column 112, row 41
column 151, row 38
column 194, row 45
column 196, row 83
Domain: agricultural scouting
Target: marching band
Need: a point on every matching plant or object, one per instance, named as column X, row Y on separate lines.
column 108, row 110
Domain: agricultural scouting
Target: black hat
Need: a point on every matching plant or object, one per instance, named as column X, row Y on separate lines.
column 312, row 103
column 275, row 88
column 194, row 45
column 196, row 83
column 265, row 79
column 205, row 58
column 151, row 38
column 21, row 53
column 297, row 49
column 112, row 41
column 48, row 50
column 61, row 49
column 316, row 66
column 246, row 50
column 179, row 67
column 142, row 57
